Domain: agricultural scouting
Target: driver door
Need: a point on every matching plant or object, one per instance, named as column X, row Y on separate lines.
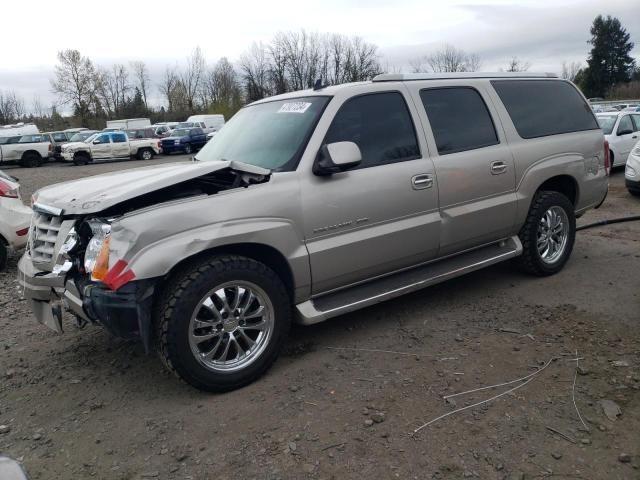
column 101, row 146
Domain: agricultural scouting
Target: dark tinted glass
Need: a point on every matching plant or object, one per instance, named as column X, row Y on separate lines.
column 380, row 124
column 118, row 137
column 625, row 125
column 459, row 119
column 544, row 107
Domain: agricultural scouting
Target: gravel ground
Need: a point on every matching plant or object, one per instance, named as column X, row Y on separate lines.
column 345, row 398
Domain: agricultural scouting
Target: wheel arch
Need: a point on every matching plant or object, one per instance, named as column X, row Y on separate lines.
column 564, row 184
column 266, row 254
column 30, row 152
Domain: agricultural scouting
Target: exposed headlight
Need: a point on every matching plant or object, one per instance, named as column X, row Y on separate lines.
column 96, row 248
column 177, row 142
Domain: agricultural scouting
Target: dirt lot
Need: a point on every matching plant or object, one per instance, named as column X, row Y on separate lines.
column 86, row 405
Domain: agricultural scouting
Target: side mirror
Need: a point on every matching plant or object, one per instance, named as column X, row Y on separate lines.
column 624, row 132
column 96, row 142
column 336, row 157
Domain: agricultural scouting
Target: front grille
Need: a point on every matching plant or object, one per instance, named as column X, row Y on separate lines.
column 43, row 236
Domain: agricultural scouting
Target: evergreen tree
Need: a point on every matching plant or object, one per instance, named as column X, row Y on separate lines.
column 609, row 62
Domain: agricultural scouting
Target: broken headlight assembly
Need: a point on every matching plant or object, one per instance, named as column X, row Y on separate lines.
column 96, row 256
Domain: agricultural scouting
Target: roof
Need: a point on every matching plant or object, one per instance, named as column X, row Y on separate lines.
column 403, row 77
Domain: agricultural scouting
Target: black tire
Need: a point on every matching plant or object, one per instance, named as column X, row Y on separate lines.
column 178, row 301
column 188, row 149
column 531, row 260
column 30, row 160
column 4, row 254
column 81, row 158
column 145, row 152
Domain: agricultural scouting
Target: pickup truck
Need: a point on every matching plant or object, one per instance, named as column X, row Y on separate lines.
column 185, row 140
column 28, row 150
column 109, row 145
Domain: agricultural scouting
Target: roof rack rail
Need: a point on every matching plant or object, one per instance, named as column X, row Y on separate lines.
column 403, row 77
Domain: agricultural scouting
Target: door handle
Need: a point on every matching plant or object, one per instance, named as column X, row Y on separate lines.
column 498, row 167
column 635, row 136
column 422, row 181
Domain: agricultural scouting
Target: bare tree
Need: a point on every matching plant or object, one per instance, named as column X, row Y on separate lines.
column 256, row 70
column 143, row 82
column 191, row 78
column 37, row 107
column 448, row 59
column 11, row 107
column 570, row 70
column 73, row 80
column 517, row 65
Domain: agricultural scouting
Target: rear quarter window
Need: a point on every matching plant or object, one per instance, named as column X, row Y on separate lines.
column 539, row 108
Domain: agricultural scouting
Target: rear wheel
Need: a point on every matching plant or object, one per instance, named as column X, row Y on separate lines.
column 145, row 154
column 222, row 323
column 30, row 160
column 548, row 234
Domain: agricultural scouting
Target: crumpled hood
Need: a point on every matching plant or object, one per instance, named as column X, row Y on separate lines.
column 74, row 145
column 97, row 193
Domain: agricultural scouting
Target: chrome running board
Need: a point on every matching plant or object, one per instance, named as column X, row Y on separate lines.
column 354, row 298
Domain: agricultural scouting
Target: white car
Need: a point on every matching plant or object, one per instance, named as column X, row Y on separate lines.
column 622, row 131
column 632, row 171
column 15, row 218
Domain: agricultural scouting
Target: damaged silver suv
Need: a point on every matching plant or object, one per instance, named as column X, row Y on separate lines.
column 313, row 204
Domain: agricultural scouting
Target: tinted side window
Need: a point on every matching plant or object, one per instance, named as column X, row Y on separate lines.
column 380, row 124
column 636, row 121
column 625, row 124
column 118, row 137
column 544, row 107
column 459, row 119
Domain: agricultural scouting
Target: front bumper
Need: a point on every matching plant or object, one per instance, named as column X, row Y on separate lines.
column 67, row 156
column 125, row 313
column 166, row 149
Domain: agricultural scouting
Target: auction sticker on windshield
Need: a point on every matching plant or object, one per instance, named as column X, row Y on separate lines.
column 294, row 107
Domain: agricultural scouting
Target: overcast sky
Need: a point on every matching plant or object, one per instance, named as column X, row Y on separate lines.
column 542, row 32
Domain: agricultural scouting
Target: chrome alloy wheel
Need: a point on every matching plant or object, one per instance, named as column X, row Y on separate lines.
column 231, row 326
column 553, row 232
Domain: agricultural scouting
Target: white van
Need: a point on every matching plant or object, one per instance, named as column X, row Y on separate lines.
column 128, row 123
column 209, row 123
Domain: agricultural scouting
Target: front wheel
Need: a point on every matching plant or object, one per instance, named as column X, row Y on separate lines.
column 30, row 160
column 188, row 149
column 222, row 323
column 548, row 234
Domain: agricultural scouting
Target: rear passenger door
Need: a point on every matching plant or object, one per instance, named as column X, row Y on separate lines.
column 473, row 164
column 381, row 216
column 120, row 146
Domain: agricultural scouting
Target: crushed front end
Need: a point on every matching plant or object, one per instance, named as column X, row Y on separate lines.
column 66, row 269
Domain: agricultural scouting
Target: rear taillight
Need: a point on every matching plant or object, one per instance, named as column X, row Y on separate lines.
column 607, row 159
column 23, row 232
column 50, row 147
column 6, row 190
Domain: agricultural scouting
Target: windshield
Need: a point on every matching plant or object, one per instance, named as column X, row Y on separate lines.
column 607, row 123
column 180, row 132
column 80, row 136
column 90, row 138
column 270, row 135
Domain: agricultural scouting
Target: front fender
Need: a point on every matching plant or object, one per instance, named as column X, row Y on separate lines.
column 157, row 259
